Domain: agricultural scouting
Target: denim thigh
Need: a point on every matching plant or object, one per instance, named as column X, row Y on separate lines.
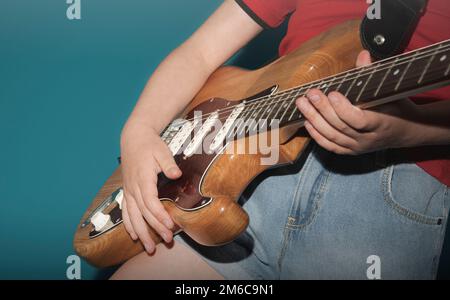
column 323, row 217
column 371, row 205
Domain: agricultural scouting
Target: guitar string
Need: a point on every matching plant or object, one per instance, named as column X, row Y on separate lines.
column 246, row 116
column 280, row 98
column 306, row 87
column 322, row 82
column 325, row 80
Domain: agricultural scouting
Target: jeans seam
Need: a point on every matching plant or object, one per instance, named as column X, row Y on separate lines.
column 316, row 201
column 296, row 198
column 399, row 209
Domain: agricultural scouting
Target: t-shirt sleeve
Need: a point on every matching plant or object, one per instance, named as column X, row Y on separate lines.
column 268, row 13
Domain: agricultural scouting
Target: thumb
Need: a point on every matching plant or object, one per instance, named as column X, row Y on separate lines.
column 363, row 59
column 167, row 164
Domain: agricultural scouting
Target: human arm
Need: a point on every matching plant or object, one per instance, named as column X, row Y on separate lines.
column 174, row 83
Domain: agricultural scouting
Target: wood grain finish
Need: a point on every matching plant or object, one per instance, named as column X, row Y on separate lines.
column 228, row 175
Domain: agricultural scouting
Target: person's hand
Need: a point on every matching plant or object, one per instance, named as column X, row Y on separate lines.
column 340, row 127
column 144, row 156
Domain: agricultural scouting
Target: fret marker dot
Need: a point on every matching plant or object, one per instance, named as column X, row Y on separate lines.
column 396, row 72
column 443, row 58
column 324, row 86
column 359, row 83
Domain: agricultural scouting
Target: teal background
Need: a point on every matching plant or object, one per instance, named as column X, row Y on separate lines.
column 66, row 89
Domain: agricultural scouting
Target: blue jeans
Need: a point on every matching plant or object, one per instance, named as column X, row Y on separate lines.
column 323, row 217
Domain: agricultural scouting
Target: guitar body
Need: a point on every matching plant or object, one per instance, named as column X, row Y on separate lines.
column 203, row 202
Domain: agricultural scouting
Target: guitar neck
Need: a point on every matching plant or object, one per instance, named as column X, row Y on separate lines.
column 379, row 83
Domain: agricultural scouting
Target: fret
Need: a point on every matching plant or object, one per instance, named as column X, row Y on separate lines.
column 274, row 115
column 271, row 108
column 295, row 115
column 406, row 70
column 354, row 81
column 334, row 85
column 259, row 106
column 262, row 110
column 385, row 76
column 342, row 82
column 257, row 109
column 428, row 65
column 281, row 103
column 266, row 108
column 242, row 121
column 365, row 85
column 292, row 102
column 360, row 84
column 328, row 85
column 445, row 57
column 294, row 97
column 394, row 75
column 438, row 65
column 245, row 126
column 373, row 79
column 422, row 69
column 295, row 110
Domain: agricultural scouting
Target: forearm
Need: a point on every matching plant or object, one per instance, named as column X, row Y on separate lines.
column 173, row 84
column 432, row 124
column 182, row 74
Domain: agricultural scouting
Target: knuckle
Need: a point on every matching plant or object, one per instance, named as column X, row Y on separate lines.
column 159, row 214
column 333, row 136
column 141, row 231
column 334, row 149
column 340, row 151
column 357, row 149
column 361, row 124
column 341, row 127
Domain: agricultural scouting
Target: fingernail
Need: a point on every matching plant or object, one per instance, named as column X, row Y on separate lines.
column 165, row 237
column 314, row 97
column 333, row 98
column 168, row 224
column 302, row 103
column 174, row 171
column 149, row 248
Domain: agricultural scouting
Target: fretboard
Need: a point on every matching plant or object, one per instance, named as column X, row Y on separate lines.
column 381, row 82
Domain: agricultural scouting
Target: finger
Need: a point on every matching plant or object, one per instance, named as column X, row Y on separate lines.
column 352, row 115
column 322, row 126
column 363, row 59
column 151, row 208
column 149, row 194
column 320, row 101
column 166, row 162
column 324, row 143
column 157, row 226
column 126, row 220
column 140, row 227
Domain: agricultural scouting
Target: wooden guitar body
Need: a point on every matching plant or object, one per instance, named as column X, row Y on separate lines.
column 203, row 202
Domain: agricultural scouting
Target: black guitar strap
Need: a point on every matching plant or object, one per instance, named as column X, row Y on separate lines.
column 390, row 35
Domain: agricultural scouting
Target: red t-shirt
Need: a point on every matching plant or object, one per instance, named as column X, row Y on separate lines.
column 312, row 17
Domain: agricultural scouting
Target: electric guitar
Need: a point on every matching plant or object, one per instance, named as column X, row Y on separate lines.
column 202, row 202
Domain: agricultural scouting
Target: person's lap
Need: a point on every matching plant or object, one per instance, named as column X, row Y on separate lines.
column 323, row 218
